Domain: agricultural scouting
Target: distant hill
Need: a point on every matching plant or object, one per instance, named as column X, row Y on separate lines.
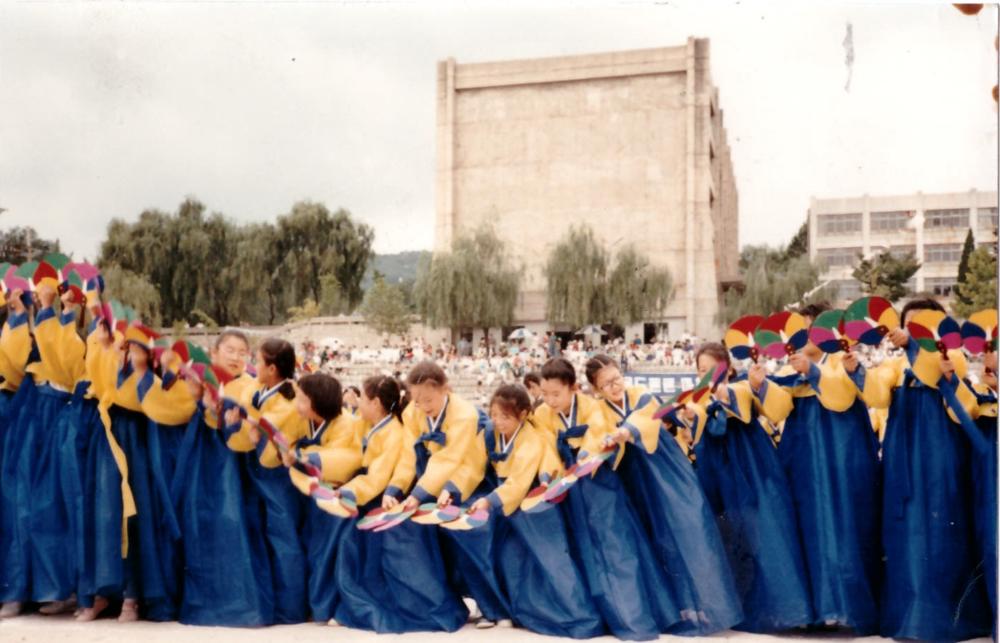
column 397, row 268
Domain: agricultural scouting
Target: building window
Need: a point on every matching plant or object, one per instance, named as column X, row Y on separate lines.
column 831, row 224
column 847, row 289
column 987, row 218
column 889, row 221
column 837, row 257
column 940, row 286
column 901, row 251
column 953, row 218
column 943, row 253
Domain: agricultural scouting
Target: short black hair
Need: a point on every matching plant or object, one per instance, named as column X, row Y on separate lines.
column 921, row 303
column 532, row 378
column 324, row 394
column 559, row 368
column 595, row 364
column 814, row 309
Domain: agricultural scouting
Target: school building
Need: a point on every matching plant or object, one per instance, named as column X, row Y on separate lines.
column 630, row 142
column 932, row 226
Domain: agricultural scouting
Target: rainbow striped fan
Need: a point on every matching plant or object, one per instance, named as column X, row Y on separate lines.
column 782, row 334
column 979, row 332
column 869, row 319
column 534, row 502
column 468, row 520
column 430, row 514
column 935, row 331
column 827, row 332
column 374, row 518
column 395, row 517
column 739, row 338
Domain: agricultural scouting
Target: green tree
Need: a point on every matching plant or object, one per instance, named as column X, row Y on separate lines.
column 576, row 280
column 885, row 275
column 473, row 286
column 384, row 308
column 963, row 269
column 307, row 310
column 773, row 280
column 21, row 244
column 980, row 286
column 636, row 291
column 132, row 290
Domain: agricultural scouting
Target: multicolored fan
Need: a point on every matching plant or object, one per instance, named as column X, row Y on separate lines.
column 869, row 319
column 667, row 408
column 340, row 506
column 74, row 284
column 934, row 331
column 430, row 513
column 26, row 273
column 395, row 517
column 46, row 276
column 534, row 501
column 827, row 332
column 468, row 520
column 739, row 338
column 374, row 518
column 979, row 332
column 782, row 334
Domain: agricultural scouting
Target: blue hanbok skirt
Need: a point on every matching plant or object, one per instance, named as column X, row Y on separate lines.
column 745, row 485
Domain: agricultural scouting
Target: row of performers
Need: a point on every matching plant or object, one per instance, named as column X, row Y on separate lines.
column 122, row 487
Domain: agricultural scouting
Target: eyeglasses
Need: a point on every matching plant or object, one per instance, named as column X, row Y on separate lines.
column 618, row 380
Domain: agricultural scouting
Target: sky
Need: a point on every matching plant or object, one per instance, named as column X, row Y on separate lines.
column 110, row 108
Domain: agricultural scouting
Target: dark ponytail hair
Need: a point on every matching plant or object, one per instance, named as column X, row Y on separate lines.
column 280, row 354
column 386, row 390
column 512, row 400
column 594, row 366
column 324, row 394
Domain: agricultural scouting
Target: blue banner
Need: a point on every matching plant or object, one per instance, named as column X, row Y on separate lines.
column 665, row 383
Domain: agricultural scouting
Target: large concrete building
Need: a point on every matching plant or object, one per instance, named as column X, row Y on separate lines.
column 932, row 226
column 630, row 142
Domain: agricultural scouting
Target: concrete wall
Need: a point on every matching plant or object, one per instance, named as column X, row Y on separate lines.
column 629, row 142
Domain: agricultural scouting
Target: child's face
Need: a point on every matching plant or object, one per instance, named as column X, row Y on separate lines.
column 610, row 384
column 428, row 397
column 231, row 355
column 304, row 405
column 370, row 408
column 534, row 390
column 706, row 363
column 350, row 397
column 504, row 422
column 267, row 374
column 138, row 356
column 557, row 394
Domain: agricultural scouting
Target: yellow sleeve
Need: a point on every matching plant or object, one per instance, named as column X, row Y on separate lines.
column 738, row 401
column 406, row 467
column 520, row 476
column 443, row 463
column 240, row 440
column 46, row 369
column 836, row 390
column 964, row 394
column 598, row 428
column 550, row 465
column 293, row 426
column 15, row 346
column 773, row 402
column 339, row 457
column 171, row 407
column 875, row 384
column 645, row 429
column 375, row 480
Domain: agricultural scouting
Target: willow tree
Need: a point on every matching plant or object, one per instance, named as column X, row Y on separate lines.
column 576, row 276
column 772, row 281
column 636, row 290
column 475, row 285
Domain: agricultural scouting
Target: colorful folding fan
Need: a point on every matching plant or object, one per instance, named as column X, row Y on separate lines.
column 374, row 518
column 781, row 334
column 73, row 283
column 12, row 281
column 430, row 514
column 869, row 319
column 468, row 520
column 395, row 517
column 46, row 276
column 57, row 260
column 739, row 338
column 979, row 332
column 827, row 332
column 934, row 331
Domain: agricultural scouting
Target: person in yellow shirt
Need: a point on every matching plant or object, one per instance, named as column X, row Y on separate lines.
column 675, row 514
column 40, row 566
column 390, row 582
column 632, row 596
column 227, row 576
column 542, row 585
column 829, row 453
column 283, row 507
column 333, row 447
column 932, row 585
